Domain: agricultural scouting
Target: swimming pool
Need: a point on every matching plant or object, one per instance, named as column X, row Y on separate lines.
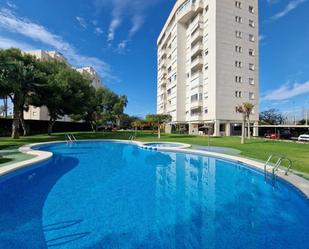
column 116, row 195
column 154, row 145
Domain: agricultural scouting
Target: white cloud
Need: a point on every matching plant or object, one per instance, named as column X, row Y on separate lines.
column 287, row 91
column 116, row 22
column 137, row 23
column 82, row 22
column 12, row 23
column 11, row 5
column 9, row 43
column 98, row 31
column 288, row 8
column 134, row 9
column 121, row 47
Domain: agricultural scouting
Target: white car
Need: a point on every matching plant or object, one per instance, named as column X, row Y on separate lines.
column 304, row 137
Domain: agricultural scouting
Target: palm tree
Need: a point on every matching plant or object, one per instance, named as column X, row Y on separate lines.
column 240, row 109
column 158, row 120
column 248, row 108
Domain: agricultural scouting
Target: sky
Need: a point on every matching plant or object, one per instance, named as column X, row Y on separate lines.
column 118, row 38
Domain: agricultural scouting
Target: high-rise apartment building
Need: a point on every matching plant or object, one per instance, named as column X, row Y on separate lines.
column 208, row 63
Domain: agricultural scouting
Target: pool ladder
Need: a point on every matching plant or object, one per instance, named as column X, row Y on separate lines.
column 70, row 138
column 276, row 166
column 131, row 138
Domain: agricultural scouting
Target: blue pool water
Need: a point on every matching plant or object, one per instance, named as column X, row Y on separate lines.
column 112, row 195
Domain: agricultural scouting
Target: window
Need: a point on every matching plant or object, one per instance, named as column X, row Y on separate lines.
column 206, row 51
column 238, row 4
column 251, row 9
column 251, row 96
column 206, row 110
column 238, row 94
column 251, row 23
column 194, row 97
column 196, row 111
column 251, row 81
column 251, row 67
column 238, row 19
column 251, row 52
column 238, row 49
column 206, row 9
column 238, row 64
column 238, row 79
column 251, row 38
column 169, row 91
column 238, row 34
column 206, row 66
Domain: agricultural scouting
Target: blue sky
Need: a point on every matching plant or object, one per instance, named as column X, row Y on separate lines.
column 118, row 38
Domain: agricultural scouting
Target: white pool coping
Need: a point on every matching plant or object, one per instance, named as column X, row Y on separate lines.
column 180, row 145
column 297, row 181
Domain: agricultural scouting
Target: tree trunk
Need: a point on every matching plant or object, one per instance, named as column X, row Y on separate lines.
column 5, row 103
column 15, row 124
column 23, row 124
column 249, row 129
column 243, row 131
column 50, row 126
column 159, row 132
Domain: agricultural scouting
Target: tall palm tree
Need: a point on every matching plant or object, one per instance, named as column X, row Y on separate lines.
column 240, row 109
column 248, row 108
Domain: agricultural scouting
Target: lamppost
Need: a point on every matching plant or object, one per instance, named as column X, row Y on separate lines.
column 306, row 112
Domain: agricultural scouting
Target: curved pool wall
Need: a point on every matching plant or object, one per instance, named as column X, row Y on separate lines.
column 128, row 197
column 166, row 145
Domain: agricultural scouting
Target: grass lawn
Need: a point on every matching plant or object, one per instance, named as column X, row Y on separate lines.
column 258, row 149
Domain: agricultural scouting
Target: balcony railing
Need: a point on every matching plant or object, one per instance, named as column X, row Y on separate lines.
column 197, row 48
column 197, row 62
column 197, row 35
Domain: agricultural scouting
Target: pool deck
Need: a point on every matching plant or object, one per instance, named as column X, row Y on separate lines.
column 39, row 156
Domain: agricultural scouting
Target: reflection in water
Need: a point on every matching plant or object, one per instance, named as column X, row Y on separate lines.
column 110, row 195
column 181, row 189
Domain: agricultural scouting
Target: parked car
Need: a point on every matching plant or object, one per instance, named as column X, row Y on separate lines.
column 272, row 135
column 285, row 134
column 304, row 137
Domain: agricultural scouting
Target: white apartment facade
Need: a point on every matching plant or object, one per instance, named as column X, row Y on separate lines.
column 208, row 63
column 41, row 113
column 94, row 76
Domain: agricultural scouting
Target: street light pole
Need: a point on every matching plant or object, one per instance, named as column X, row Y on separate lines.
column 306, row 112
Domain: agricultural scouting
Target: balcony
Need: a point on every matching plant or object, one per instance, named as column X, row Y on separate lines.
column 197, row 64
column 196, row 49
column 196, row 23
column 188, row 9
column 196, row 80
column 197, row 35
column 196, row 113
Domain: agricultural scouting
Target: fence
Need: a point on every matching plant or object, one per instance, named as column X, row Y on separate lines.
column 40, row 127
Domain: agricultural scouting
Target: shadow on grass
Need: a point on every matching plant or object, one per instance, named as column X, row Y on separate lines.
column 5, row 160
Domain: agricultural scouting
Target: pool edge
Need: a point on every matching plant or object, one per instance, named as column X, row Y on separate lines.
column 297, row 181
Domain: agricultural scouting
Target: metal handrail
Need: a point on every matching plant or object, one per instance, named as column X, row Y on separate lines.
column 70, row 138
column 278, row 164
column 288, row 168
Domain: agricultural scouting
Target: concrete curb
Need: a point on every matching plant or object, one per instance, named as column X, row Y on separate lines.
column 300, row 183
